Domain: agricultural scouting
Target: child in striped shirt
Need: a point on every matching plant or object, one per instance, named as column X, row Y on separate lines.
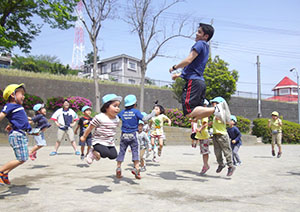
column 105, row 125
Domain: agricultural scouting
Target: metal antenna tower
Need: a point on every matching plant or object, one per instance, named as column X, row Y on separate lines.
column 78, row 46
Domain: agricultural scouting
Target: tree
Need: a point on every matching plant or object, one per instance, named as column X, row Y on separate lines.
column 16, row 20
column 152, row 35
column 97, row 11
column 90, row 58
column 218, row 79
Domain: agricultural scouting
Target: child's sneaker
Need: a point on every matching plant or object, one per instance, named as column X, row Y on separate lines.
column 77, row 153
column 90, row 157
column 154, row 160
column 143, row 168
column 53, row 153
column 31, row 156
column 82, row 157
column 136, row 173
column 204, row 170
column 34, row 154
column 231, row 169
column 119, row 173
column 273, row 153
column 220, row 168
column 4, row 179
column 279, row 154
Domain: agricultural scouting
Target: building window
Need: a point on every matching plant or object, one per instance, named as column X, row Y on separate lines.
column 104, row 69
column 131, row 81
column 294, row 91
column 284, row 91
column 115, row 66
column 132, row 66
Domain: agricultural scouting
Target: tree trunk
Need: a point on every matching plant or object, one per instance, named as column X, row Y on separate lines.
column 143, row 73
column 97, row 93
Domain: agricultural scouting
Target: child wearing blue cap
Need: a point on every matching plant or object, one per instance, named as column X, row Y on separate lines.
column 130, row 119
column 235, row 137
column 221, row 141
column 83, row 124
column 105, row 125
column 41, row 125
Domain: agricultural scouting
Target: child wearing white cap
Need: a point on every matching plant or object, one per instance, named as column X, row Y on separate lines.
column 276, row 124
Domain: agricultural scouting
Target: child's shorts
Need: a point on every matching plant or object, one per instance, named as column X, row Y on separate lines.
column 204, row 147
column 40, row 139
column 193, row 136
column 156, row 136
column 87, row 142
column 19, row 143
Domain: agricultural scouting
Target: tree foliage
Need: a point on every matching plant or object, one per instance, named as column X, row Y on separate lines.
column 218, row 79
column 42, row 64
column 17, row 27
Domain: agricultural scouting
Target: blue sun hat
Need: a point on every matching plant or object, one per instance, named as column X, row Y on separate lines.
column 217, row 99
column 129, row 100
column 85, row 108
column 38, row 106
column 233, row 118
column 111, row 97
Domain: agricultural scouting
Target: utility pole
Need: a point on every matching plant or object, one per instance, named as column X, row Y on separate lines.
column 258, row 89
column 209, row 42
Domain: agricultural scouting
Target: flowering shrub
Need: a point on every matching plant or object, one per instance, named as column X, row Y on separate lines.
column 177, row 118
column 76, row 102
column 54, row 103
column 31, row 100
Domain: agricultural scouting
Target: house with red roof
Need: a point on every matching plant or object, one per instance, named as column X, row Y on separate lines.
column 285, row 91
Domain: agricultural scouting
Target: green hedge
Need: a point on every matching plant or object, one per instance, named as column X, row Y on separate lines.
column 243, row 124
column 290, row 131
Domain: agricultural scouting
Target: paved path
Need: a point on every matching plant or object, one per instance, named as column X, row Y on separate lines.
column 65, row 183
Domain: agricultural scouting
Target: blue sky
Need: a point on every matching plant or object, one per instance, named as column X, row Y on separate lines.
column 243, row 30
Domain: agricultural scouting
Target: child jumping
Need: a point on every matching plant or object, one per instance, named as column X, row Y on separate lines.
column 158, row 122
column 16, row 115
column 203, row 136
column 276, row 124
column 83, row 124
column 235, row 137
column 143, row 140
column 42, row 125
column 130, row 118
column 105, row 125
column 221, row 141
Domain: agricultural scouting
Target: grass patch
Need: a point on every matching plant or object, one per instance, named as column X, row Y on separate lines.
column 72, row 78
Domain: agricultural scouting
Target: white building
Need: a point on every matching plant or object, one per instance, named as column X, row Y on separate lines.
column 121, row 68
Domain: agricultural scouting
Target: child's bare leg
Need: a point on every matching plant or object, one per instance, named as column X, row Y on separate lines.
column 205, row 160
column 136, row 164
column 34, row 149
column 161, row 143
column 82, row 150
column 97, row 155
column 152, row 141
column 201, row 112
column 88, row 149
column 6, row 168
column 119, row 163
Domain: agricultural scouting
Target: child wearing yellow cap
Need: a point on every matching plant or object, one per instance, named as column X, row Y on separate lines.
column 19, row 125
column 275, row 124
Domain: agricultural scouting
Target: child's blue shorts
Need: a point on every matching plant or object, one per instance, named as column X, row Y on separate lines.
column 19, row 142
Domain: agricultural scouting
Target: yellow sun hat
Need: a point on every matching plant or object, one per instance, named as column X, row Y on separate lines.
column 275, row 113
column 10, row 89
